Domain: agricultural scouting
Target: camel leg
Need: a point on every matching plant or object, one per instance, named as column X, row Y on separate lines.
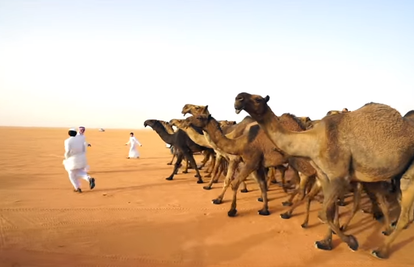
column 355, row 207
column 222, row 168
column 246, row 170
column 190, row 158
column 260, row 177
column 407, row 199
column 333, row 190
column 186, row 164
column 382, row 203
column 313, row 192
column 271, row 176
column 205, row 159
column 230, row 173
column 216, row 173
column 316, row 188
column 282, row 170
column 300, row 191
column 210, row 168
column 216, row 169
column 177, row 164
column 170, row 163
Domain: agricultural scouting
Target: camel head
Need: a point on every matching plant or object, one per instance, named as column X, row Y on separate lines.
column 409, row 115
column 151, row 123
column 255, row 105
column 224, row 123
column 199, row 121
column 194, row 109
column 177, row 123
column 304, row 120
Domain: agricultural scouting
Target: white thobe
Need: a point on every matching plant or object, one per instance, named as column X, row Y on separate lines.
column 86, row 145
column 133, row 151
column 75, row 160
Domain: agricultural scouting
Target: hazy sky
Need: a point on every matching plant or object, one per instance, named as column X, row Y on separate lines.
column 117, row 63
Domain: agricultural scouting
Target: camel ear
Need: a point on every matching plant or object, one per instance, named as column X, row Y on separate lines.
column 267, row 98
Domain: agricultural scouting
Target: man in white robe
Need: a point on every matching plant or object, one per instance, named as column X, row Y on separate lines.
column 75, row 161
column 81, row 134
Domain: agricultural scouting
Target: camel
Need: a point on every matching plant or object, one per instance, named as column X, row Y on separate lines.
column 207, row 153
column 180, row 140
column 233, row 129
column 341, row 149
column 255, row 150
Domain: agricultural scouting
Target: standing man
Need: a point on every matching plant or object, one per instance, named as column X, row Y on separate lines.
column 75, row 161
column 81, row 134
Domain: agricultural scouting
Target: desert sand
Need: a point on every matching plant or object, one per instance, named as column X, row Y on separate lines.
column 134, row 217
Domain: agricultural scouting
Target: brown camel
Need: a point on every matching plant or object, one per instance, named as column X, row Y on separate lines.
column 341, row 149
column 255, row 149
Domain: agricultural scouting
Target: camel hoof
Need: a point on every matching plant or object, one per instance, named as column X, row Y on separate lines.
column 264, row 212
column 216, row 201
column 207, row 187
column 200, row 181
column 197, row 176
column 260, row 199
column 377, row 254
column 323, row 245
column 353, row 243
column 342, row 228
column 232, row 213
column 304, row 225
column 169, row 163
column 208, row 175
column 185, row 171
column 285, row 215
column 394, row 224
column 169, row 178
column 244, row 191
column 287, row 203
column 215, row 181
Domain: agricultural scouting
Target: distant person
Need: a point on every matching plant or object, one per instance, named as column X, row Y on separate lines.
column 133, row 142
column 75, row 160
column 81, row 134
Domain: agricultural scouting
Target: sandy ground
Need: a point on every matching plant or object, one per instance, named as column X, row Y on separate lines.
column 134, row 217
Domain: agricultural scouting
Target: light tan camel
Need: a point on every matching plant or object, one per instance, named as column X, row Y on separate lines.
column 342, row 149
column 198, row 137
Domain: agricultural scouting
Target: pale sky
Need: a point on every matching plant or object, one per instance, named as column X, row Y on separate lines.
column 114, row 64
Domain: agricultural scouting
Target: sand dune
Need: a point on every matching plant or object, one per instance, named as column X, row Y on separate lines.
column 134, row 217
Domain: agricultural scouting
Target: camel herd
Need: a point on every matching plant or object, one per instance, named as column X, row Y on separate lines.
column 369, row 150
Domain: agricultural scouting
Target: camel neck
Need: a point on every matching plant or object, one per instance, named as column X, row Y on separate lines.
column 215, row 134
column 298, row 144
